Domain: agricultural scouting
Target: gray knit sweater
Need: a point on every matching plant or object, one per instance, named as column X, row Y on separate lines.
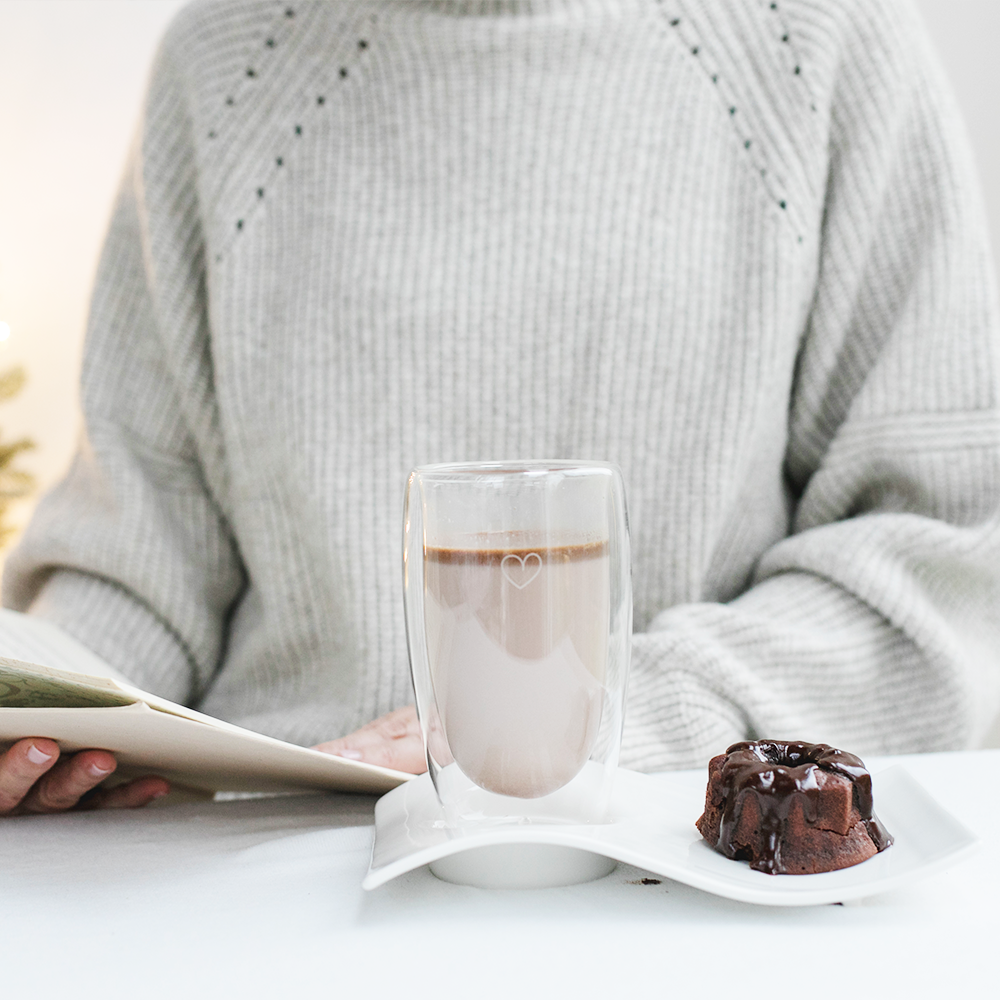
column 733, row 246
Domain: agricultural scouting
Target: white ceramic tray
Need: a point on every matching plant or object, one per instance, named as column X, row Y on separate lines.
column 653, row 828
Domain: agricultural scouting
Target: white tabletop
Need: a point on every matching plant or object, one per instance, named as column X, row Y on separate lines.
column 262, row 898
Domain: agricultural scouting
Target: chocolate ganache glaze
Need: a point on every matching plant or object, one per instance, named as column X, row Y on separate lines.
column 791, row 807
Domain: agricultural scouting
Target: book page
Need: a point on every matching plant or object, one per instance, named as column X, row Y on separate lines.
column 36, row 641
column 52, row 686
column 30, row 685
column 44, row 667
column 196, row 755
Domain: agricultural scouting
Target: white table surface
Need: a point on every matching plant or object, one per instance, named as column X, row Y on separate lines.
column 262, row 898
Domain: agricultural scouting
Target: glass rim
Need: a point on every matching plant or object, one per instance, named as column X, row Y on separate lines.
column 534, row 466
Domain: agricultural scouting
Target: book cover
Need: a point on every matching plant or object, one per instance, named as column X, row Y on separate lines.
column 52, row 686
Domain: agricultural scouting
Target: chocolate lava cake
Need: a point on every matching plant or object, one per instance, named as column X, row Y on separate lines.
column 791, row 808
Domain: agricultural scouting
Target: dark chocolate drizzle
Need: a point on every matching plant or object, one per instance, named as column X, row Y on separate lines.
column 777, row 773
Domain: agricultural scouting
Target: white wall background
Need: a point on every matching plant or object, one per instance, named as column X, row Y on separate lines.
column 72, row 74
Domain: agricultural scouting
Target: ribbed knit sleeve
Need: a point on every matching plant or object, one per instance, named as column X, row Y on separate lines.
column 132, row 553
column 876, row 623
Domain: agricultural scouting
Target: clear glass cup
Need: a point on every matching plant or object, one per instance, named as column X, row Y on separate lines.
column 517, row 584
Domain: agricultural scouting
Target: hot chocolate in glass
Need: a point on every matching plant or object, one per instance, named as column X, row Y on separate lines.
column 518, row 604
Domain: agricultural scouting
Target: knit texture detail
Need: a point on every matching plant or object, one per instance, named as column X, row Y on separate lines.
column 735, row 248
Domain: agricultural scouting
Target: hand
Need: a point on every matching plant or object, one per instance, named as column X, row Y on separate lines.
column 392, row 740
column 33, row 779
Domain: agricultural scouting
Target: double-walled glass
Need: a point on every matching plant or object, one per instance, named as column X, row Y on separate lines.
column 519, row 619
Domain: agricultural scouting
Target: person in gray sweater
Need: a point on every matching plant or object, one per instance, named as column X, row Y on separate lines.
column 733, row 246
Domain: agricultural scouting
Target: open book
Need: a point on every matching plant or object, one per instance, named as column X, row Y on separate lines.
column 52, row 686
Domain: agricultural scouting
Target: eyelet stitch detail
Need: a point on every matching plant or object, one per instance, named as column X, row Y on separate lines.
column 785, row 35
column 251, row 74
column 695, row 47
column 253, row 69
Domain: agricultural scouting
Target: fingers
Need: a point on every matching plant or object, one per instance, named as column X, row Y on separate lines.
column 34, row 779
column 394, row 726
column 131, row 795
column 393, row 740
column 66, row 782
column 20, row 767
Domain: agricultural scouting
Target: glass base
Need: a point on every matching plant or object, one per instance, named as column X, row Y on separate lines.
column 469, row 808
column 522, row 866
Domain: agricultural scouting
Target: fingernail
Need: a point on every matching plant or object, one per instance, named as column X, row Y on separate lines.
column 36, row 756
column 99, row 772
column 350, row 754
column 159, row 794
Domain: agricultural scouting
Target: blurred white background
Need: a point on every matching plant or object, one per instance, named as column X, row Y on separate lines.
column 72, row 74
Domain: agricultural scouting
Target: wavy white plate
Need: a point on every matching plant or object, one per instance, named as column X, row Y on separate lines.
column 653, row 828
